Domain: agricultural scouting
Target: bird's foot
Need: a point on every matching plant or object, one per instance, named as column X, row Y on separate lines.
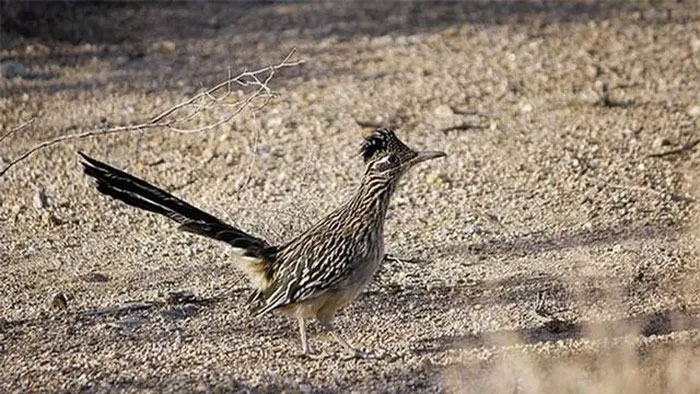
column 309, row 355
column 356, row 354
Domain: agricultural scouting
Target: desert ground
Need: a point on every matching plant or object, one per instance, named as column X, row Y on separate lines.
column 554, row 250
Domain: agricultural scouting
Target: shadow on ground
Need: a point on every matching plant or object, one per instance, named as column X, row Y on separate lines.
column 114, row 22
column 115, row 32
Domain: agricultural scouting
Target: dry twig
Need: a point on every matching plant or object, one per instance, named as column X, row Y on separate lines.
column 177, row 117
column 18, row 128
column 685, row 148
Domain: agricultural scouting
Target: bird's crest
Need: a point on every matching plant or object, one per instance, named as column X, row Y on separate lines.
column 380, row 141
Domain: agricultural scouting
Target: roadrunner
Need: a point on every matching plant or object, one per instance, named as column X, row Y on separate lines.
column 318, row 272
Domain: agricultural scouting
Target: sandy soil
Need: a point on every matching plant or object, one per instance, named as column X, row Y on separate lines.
column 554, row 249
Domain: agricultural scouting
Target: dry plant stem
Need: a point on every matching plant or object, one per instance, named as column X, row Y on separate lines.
column 227, row 84
column 259, row 78
column 18, row 128
column 686, row 147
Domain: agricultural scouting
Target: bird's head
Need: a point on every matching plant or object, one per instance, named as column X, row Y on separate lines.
column 386, row 155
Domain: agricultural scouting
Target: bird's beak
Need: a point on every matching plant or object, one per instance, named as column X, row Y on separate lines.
column 428, row 155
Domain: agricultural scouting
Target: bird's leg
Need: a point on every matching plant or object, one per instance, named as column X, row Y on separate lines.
column 305, row 348
column 302, row 333
column 341, row 341
column 350, row 351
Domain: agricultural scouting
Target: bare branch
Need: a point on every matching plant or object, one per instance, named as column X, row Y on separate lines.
column 227, row 83
column 18, row 128
column 685, row 148
column 191, row 108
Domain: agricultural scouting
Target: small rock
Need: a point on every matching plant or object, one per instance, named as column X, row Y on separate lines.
column 36, row 49
column 165, row 47
column 230, row 159
column 273, row 123
column 695, row 45
column 526, row 108
column 53, row 220
column 40, row 201
column 93, row 277
column 60, row 301
column 440, row 180
column 443, row 111
column 592, row 71
column 661, row 142
column 589, row 95
column 226, row 135
column 208, row 155
column 694, row 110
column 87, row 47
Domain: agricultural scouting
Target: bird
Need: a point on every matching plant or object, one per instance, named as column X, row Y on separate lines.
column 316, row 273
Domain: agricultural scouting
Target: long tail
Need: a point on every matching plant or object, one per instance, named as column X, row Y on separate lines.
column 140, row 194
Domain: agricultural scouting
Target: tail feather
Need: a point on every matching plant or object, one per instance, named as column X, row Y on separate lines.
column 141, row 194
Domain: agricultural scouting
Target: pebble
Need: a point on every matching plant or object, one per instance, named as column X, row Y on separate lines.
column 443, row 111
column 661, row 142
column 95, row 277
column 40, row 201
column 230, row 159
column 694, row 110
column 165, row 47
column 592, row 71
column 273, row 123
column 60, row 301
column 695, row 45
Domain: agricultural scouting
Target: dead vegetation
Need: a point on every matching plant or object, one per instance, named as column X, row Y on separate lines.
column 222, row 102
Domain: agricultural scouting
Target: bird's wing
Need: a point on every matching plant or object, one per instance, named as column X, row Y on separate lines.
column 311, row 272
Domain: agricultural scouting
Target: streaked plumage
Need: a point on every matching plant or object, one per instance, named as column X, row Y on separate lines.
column 319, row 271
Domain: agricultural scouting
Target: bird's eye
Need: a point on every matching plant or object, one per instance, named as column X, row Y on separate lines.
column 389, row 160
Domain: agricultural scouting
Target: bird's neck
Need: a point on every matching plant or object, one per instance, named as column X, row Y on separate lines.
column 372, row 197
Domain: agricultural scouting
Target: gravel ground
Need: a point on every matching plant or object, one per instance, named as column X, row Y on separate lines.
column 555, row 247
